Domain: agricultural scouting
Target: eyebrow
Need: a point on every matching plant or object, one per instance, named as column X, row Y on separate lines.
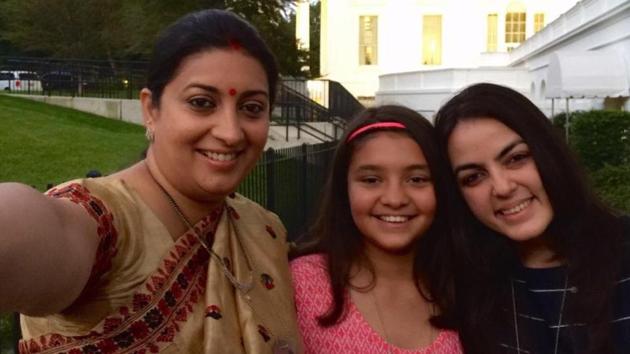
column 506, row 150
column 212, row 89
column 377, row 168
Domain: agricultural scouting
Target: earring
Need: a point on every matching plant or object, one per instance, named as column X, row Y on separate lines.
column 149, row 134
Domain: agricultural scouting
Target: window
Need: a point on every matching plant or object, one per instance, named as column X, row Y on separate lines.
column 368, row 40
column 515, row 27
column 515, row 20
column 493, row 24
column 432, row 40
column 539, row 22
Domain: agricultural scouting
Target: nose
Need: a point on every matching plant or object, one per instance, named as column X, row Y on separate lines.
column 502, row 184
column 228, row 127
column 394, row 195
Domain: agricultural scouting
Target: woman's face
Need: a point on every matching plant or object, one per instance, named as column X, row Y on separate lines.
column 390, row 191
column 498, row 178
column 212, row 123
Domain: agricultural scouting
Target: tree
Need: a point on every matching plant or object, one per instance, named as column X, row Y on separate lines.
column 123, row 29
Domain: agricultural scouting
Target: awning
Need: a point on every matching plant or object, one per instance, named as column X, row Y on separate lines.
column 592, row 74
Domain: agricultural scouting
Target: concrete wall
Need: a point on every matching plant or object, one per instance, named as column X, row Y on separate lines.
column 120, row 109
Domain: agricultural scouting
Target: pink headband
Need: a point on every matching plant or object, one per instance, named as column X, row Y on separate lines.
column 379, row 125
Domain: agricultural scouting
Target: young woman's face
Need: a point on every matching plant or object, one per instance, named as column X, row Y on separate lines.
column 212, row 122
column 391, row 191
column 499, row 179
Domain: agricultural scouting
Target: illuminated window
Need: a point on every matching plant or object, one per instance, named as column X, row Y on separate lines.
column 368, row 35
column 493, row 24
column 432, row 40
column 515, row 23
column 539, row 22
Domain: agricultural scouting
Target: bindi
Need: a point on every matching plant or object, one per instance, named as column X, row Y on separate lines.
column 232, row 92
column 234, row 44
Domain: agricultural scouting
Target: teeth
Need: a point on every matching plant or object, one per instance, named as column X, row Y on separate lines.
column 394, row 218
column 517, row 208
column 220, row 157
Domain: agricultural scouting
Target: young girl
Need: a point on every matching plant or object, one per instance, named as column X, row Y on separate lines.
column 542, row 266
column 366, row 286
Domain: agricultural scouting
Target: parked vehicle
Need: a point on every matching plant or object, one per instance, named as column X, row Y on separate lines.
column 20, row 81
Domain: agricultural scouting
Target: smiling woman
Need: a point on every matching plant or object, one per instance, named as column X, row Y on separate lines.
column 532, row 238
column 163, row 256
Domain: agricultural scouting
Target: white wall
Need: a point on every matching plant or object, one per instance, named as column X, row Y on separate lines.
column 400, row 36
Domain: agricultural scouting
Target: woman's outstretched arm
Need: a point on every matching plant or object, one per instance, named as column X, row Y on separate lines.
column 47, row 248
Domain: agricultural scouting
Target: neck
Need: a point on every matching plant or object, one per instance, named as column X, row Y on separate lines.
column 537, row 253
column 390, row 266
column 193, row 210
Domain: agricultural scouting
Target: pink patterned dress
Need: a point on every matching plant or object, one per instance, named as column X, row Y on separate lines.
column 353, row 334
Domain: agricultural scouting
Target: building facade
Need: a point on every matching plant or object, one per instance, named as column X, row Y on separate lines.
column 364, row 39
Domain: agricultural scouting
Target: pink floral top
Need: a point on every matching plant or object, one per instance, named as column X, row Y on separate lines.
column 354, row 334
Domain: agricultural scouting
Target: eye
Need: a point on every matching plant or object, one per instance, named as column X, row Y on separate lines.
column 518, row 158
column 253, row 108
column 420, row 179
column 471, row 179
column 369, row 180
column 201, row 103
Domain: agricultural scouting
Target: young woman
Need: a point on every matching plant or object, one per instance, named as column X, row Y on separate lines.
column 367, row 285
column 542, row 266
column 162, row 256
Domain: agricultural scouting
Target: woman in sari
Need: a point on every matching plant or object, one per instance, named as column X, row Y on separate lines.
column 162, row 256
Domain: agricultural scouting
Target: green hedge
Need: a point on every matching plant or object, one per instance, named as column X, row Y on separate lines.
column 601, row 139
column 612, row 183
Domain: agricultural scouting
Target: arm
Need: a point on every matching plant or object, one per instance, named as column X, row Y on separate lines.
column 47, row 248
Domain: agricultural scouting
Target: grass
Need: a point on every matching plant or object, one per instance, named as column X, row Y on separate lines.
column 42, row 144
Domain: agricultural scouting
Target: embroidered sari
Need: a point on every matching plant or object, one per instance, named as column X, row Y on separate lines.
column 148, row 293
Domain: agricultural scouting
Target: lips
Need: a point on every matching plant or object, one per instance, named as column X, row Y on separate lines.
column 219, row 156
column 516, row 208
column 395, row 219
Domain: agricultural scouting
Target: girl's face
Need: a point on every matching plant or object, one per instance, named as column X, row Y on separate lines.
column 499, row 179
column 390, row 191
column 212, row 122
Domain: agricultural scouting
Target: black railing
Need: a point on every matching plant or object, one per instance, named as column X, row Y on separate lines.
column 329, row 94
column 82, row 78
column 289, row 181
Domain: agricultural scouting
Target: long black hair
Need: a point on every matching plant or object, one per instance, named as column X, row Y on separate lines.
column 583, row 232
column 336, row 236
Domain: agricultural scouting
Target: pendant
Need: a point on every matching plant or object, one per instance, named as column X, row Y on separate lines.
column 283, row 346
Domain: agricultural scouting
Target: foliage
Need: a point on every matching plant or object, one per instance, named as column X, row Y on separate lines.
column 601, row 138
column 126, row 29
column 44, row 144
column 611, row 183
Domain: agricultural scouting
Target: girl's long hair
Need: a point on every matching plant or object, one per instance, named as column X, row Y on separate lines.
column 583, row 232
column 334, row 233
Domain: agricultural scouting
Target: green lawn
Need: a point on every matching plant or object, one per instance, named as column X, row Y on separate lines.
column 41, row 144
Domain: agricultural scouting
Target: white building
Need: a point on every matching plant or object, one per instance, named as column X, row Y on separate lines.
column 424, row 50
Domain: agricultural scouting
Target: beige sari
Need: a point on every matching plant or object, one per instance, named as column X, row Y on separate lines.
column 149, row 294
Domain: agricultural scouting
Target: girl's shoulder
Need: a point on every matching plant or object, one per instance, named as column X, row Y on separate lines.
column 309, row 266
column 310, row 277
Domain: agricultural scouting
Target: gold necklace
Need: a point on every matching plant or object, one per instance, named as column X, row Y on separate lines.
column 242, row 286
column 280, row 345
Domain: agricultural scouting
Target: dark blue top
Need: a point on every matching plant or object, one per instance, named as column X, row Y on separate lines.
column 538, row 297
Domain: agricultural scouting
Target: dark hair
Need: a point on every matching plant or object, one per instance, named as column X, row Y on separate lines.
column 334, row 233
column 201, row 31
column 583, row 232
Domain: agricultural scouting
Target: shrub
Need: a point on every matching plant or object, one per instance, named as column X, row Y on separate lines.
column 611, row 183
column 600, row 138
